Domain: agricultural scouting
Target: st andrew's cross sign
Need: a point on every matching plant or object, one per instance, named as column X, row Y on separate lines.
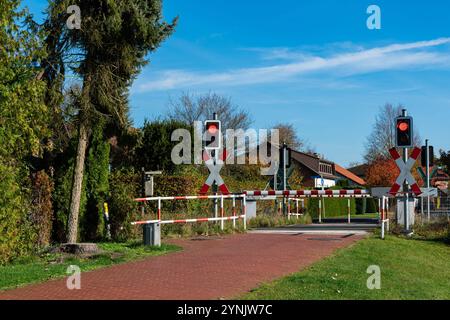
column 405, row 171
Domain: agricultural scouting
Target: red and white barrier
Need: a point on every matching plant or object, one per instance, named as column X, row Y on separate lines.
column 234, row 218
column 222, row 217
column 297, row 213
column 310, row 193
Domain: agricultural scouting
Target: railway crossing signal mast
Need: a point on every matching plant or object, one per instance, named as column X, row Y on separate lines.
column 404, row 138
column 212, row 139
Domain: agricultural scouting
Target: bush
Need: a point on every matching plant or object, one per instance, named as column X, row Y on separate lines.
column 436, row 230
column 16, row 234
column 270, row 221
column 122, row 208
column 372, row 206
column 334, row 207
column 97, row 187
column 61, row 196
column 156, row 145
column 42, row 210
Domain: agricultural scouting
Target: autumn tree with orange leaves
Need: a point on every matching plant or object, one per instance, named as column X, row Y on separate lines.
column 383, row 173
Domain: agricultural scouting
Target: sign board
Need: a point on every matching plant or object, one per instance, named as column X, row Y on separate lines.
column 405, row 172
column 147, row 180
column 379, row 192
column 401, row 213
column 214, row 168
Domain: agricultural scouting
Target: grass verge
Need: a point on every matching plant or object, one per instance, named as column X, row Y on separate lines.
column 410, row 269
column 270, row 221
column 361, row 216
column 46, row 266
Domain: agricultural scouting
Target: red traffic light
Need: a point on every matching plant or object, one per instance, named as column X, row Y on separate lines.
column 212, row 134
column 212, row 128
column 404, row 132
column 403, row 126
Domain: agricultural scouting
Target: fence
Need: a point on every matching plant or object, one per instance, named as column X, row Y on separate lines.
column 300, row 194
column 439, row 207
column 222, row 217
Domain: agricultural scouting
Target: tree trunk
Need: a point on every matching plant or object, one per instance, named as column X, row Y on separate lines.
column 77, row 184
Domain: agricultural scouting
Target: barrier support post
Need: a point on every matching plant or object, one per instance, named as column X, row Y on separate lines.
column 244, row 199
column 221, row 213
column 320, row 210
column 289, row 208
column 348, row 211
column 234, row 212
column 159, row 208
column 379, row 209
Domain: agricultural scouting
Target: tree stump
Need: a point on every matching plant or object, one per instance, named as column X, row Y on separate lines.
column 79, row 248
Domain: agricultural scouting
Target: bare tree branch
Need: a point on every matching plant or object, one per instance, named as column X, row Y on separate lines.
column 189, row 108
column 382, row 137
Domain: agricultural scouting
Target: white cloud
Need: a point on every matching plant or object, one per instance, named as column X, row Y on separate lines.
column 391, row 57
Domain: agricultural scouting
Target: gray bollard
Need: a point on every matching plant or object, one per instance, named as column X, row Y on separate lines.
column 152, row 234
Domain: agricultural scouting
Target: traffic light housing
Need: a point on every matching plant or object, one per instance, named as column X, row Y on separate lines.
column 288, row 156
column 212, row 135
column 423, row 156
column 404, row 132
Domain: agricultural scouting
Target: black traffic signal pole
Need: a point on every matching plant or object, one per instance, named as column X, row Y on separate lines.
column 214, row 186
column 406, row 186
column 428, row 179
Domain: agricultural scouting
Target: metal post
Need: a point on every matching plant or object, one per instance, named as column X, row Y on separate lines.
column 428, row 179
column 159, row 208
column 348, row 209
column 234, row 212
column 215, row 157
column 289, row 208
column 244, row 199
column 221, row 213
column 284, row 177
column 284, row 167
column 379, row 209
column 320, row 210
column 405, row 188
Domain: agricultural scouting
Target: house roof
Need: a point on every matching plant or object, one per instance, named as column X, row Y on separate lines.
column 359, row 170
column 349, row 175
column 312, row 162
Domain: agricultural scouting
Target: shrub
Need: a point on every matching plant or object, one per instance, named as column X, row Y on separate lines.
column 16, row 236
column 156, row 145
column 97, row 186
column 334, row 207
column 270, row 221
column 61, row 196
column 42, row 210
column 123, row 209
column 372, row 206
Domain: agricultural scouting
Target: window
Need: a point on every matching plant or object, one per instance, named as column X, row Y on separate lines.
column 325, row 168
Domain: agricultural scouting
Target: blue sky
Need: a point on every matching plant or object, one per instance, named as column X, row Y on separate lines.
column 314, row 64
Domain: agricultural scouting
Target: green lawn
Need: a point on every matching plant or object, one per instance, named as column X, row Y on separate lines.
column 48, row 266
column 410, row 269
column 361, row 216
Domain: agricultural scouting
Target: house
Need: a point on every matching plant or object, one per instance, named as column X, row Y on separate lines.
column 359, row 171
column 316, row 172
column 440, row 181
column 351, row 179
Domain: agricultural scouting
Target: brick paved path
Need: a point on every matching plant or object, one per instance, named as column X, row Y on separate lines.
column 205, row 269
